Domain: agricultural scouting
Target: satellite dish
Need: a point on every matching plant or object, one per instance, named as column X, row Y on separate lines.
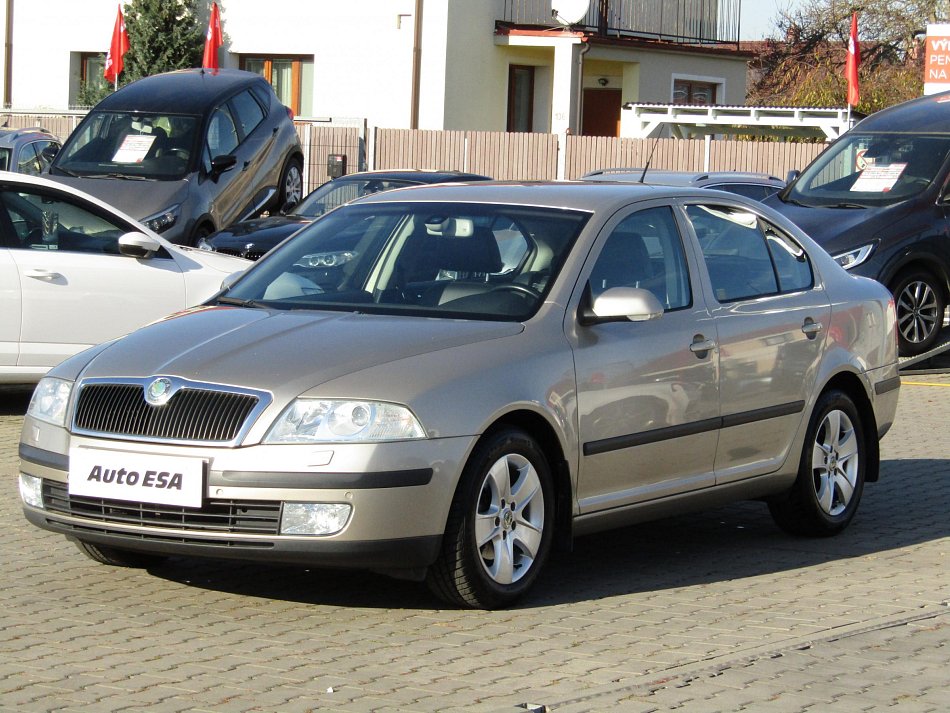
column 570, row 12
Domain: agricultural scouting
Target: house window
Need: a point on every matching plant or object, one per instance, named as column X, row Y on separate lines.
column 291, row 77
column 687, row 91
column 92, row 66
column 520, row 98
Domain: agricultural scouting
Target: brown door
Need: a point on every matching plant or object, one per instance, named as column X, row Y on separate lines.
column 601, row 112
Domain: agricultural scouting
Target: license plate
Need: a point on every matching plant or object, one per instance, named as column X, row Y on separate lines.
column 118, row 475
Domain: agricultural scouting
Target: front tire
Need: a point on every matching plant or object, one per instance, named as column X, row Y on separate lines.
column 921, row 304
column 826, row 493
column 117, row 557
column 500, row 524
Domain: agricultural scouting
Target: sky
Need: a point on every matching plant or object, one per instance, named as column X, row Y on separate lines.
column 757, row 18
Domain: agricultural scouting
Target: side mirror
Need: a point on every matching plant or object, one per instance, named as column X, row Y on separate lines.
column 228, row 282
column 792, row 175
column 222, row 163
column 49, row 153
column 621, row 304
column 138, row 245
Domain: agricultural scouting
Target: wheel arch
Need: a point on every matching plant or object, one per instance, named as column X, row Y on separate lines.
column 536, row 426
column 854, row 388
column 918, row 261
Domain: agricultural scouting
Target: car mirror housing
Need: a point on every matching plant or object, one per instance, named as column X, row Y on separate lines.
column 138, row 245
column 222, row 163
column 621, row 304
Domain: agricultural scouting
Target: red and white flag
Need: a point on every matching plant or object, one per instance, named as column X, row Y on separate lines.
column 118, row 47
column 854, row 59
column 212, row 39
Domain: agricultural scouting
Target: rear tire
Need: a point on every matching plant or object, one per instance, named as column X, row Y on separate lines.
column 117, row 557
column 826, row 493
column 500, row 525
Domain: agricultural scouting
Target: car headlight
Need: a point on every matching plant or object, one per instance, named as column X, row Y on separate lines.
column 329, row 259
column 163, row 220
column 855, row 257
column 322, row 421
column 50, row 400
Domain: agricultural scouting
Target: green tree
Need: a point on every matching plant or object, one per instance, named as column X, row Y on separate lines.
column 164, row 35
column 806, row 66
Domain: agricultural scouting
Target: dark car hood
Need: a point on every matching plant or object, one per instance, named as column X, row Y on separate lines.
column 285, row 352
column 840, row 229
column 261, row 233
column 139, row 199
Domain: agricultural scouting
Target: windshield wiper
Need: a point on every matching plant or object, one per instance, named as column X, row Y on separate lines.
column 238, row 302
column 847, row 205
column 123, row 176
column 68, row 172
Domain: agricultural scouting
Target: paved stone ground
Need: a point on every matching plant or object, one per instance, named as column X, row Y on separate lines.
column 715, row 612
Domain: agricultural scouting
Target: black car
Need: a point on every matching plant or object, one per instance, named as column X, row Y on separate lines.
column 187, row 152
column 252, row 238
column 757, row 186
column 878, row 200
column 26, row 150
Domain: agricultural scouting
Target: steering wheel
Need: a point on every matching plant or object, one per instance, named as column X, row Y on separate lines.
column 518, row 288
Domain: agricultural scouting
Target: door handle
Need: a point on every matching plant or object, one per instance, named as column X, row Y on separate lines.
column 811, row 328
column 37, row 274
column 701, row 346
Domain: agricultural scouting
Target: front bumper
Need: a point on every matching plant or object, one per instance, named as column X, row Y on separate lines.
column 400, row 494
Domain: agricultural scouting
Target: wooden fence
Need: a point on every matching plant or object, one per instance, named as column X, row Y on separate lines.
column 501, row 155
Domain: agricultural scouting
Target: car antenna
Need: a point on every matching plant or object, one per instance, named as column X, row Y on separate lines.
column 649, row 159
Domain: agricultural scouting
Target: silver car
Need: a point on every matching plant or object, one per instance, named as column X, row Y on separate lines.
column 447, row 383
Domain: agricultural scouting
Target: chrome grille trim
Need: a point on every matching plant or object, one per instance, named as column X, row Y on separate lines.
column 197, row 413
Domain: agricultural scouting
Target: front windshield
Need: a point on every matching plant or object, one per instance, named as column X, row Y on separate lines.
column 130, row 145
column 335, row 193
column 868, row 170
column 456, row 260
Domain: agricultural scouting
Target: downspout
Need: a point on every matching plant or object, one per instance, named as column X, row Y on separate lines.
column 580, row 86
column 8, row 58
column 416, row 66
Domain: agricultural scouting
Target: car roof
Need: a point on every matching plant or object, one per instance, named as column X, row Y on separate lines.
column 417, row 175
column 925, row 115
column 186, row 91
column 10, row 136
column 682, row 178
column 575, row 195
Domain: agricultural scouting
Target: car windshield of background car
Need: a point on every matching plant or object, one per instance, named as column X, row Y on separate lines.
column 868, row 170
column 336, row 193
column 4, row 159
column 124, row 145
column 464, row 261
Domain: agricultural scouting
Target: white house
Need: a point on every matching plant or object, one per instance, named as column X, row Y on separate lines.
column 516, row 65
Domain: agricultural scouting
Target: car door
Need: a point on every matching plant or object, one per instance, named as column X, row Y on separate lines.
column 76, row 289
column 647, row 394
column 10, row 305
column 235, row 128
column 771, row 313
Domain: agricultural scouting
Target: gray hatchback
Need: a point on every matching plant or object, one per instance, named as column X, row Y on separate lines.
column 447, row 382
column 187, row 152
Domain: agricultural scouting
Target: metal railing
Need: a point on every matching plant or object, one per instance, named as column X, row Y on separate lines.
column 682, row 21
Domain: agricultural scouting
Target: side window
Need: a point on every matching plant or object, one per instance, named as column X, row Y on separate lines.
column 42, row 222
column 222, row 134
column 791, row 262
column 248, row 112
column 29, row 161
column 745, row 257
column 645, row 250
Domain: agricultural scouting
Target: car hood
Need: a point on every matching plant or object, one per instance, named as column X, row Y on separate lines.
column 139, row 199
column 284, row 352
column 258, row 231
column 840, row 229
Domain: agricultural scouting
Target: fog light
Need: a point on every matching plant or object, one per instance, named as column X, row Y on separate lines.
column 31, row 490
column 314, row 518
